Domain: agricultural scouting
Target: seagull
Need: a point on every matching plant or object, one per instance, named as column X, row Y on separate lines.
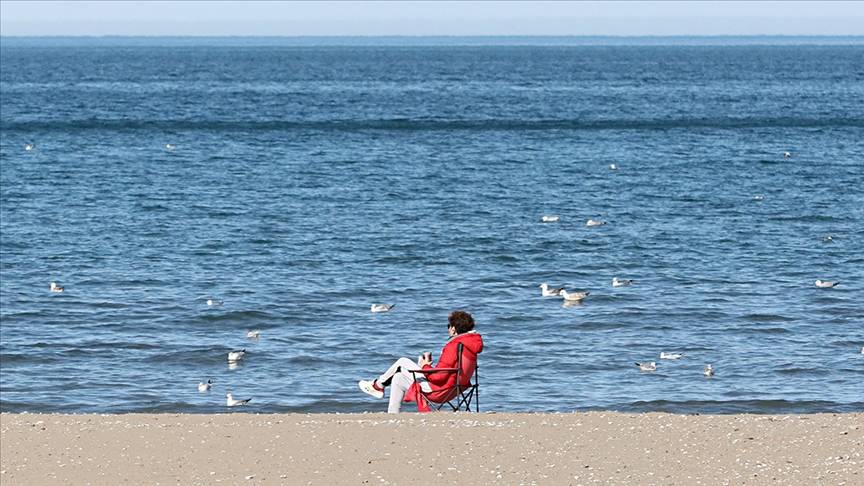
column 621, row 283
column 215, row 302
column 231, row 402
column 235, row 356
column 652, row 366
column 613, row 167
column 759, row 197
column 575, row 296
column 203, row 387
column 253, row 334
column 170, row 146
column 825, row 284
column 670, row 355
column 549, row 292
column 787, row 155
column 381, row 307
column 56, row 288
column 828, row 239
column 595, row 222
column 550, row 218
column 709, row 370
column 29, row 146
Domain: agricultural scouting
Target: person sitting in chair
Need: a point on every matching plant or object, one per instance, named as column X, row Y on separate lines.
column 460, row 326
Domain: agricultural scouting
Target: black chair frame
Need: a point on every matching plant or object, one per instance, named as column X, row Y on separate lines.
column 465, row 395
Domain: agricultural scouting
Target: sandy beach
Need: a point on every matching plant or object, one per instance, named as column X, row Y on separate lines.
column 441, row 448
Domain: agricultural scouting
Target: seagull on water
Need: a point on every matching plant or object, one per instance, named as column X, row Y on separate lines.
column 595, row 222
column 574, row 296
column 170, row 146
column 232, row 402
column 254, row 334
column 709, row 370
column 204, row 387
column 29, row 146
column 787, row 155
column 828, row 239
column 546, row 291
column 652, row 366
column 664, row 355
column 613, row 167
column 550, row 218
column 215, row 302
column 376, row 308
column 621, row 283
column 56, row 288
column 826, row 284
column 759, row 197
column 235, row 356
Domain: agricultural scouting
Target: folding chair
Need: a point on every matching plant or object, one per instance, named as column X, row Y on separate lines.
column 461, row 395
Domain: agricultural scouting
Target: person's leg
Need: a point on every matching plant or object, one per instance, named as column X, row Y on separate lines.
column 404, row 365
column 398, row 387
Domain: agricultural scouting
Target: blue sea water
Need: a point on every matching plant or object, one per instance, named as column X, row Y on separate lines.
column 309, row 182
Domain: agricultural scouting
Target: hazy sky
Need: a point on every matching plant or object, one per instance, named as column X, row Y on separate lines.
column 274, row 18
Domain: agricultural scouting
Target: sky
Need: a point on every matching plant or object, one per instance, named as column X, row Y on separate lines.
column 381, row 18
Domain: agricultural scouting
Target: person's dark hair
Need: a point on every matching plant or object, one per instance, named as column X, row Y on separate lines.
column 461, row 320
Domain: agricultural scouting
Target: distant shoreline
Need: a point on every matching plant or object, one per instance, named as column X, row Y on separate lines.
column 424, row 41
column 448, row 448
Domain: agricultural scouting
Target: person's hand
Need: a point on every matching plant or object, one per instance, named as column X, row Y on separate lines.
column 425, row 359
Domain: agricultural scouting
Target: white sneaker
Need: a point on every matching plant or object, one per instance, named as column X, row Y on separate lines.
column 368, row 387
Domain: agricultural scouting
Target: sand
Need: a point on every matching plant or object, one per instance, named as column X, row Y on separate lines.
column 438, row 448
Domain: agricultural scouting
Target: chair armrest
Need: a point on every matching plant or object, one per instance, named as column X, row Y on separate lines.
column 436, row 370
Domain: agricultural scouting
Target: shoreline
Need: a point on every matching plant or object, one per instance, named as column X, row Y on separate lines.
column 447, row 448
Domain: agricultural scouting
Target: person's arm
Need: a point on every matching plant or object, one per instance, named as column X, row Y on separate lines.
column 447, row 360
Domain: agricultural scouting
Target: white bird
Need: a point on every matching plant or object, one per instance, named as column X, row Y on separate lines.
column 664, row 355
column 574, row 296
column 214, row 302
column 56, row 288
column 170, row 146
column 826, row 284
column 381, row 307
column 231, row 402
column 621, row 283
column 29, row 146
column 709, row 370
column 595, row 222
column 550, row 218
column 613, row 167
column 203, row 387
column 759, row 197
column 235, row 356
column 828, row 239
column 652, row 366
column 546, row 291
column 787, row 155
column 255, row 334
column 862, row 349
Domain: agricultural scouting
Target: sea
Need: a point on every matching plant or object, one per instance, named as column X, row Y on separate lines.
column 294, row 183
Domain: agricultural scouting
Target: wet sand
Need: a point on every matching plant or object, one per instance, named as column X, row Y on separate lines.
column 441, row 448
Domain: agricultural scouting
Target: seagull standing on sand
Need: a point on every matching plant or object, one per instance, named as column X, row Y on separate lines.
column 235, row 356
column 56, row 288
column 621, row 283
column 652, row 366
column 595, row 222
column 376, row 308
column 204, row 387
column 253, row 334
column 574, row 296
column 826, row 284
column 231, row 402
column 670, row 355
column 546, row 291
column 550, row 218
column 709, row 370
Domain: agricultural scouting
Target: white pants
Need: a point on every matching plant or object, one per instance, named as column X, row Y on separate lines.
column 400, row 379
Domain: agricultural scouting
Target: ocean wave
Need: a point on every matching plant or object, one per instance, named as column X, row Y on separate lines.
column 408, row 124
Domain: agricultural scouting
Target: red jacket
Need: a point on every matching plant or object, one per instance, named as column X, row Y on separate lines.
column 442, row 383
